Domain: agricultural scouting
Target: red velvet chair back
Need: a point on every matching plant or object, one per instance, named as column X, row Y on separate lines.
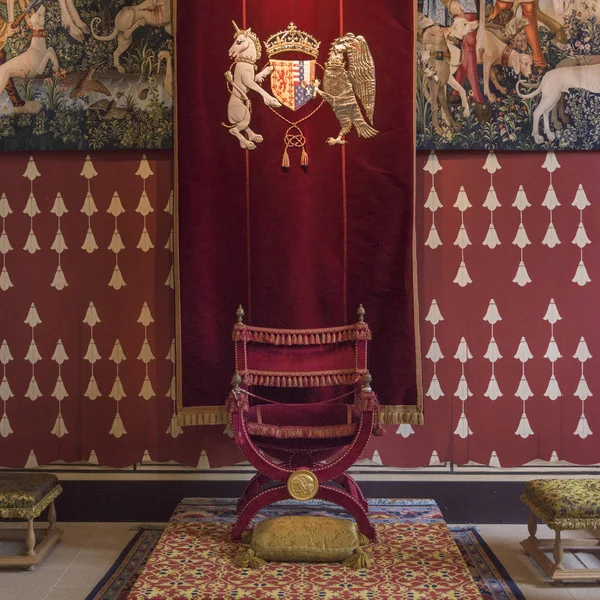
column 296, row 358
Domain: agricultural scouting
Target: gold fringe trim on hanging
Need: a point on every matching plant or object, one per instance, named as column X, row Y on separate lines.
column 218, row 415
column 203, row 415
column 400, row 415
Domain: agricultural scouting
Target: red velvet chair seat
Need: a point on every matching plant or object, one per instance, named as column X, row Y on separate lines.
column 302, row 421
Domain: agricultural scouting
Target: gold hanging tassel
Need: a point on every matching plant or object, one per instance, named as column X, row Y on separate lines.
column 285, row 162
column 304, row 158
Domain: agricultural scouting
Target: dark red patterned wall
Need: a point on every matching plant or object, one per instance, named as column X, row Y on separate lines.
column 115, row 254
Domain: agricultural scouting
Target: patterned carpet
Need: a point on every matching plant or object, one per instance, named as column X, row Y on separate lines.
column 417, row 558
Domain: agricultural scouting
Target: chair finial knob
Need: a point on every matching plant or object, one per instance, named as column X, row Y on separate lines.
column 240, row 314
column 236, row 380
column 361, row 313
column 367, row 381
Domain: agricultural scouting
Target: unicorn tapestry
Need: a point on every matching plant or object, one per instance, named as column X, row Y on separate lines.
column 86, row 74
column 508, row 74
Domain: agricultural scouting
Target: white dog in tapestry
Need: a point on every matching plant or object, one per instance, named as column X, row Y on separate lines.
column 34, row 60
column 69, row 17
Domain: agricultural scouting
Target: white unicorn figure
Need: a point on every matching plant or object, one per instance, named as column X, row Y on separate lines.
column 245, row 52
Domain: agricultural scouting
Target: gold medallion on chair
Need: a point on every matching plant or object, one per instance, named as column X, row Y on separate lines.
column 302, row 485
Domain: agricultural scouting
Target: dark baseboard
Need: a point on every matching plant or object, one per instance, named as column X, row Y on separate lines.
column 155, row 501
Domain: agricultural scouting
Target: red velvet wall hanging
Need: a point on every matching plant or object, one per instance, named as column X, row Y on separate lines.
column 298, row 231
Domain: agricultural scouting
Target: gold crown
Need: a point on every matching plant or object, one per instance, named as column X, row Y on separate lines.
column 292, row 40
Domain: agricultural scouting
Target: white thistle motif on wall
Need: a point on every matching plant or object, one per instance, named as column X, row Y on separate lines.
column 92, row 355
column 117, row 393
column 31, row 207
column 146, row 355
column 174, row 429
column 144, row 207
column 5, row 245
column 552, row 353
column 551, row 202
column 521, row 238
column 494, row 461
column 491, row 201
column 462, row 238
column 463, row 354
column 523, row 390
column 60, row 393
column 434, row 354
column 492, row 316
column 582, row 354
column 59, row 245
column 433, row 202
column 33, row 355
column 116, row 243
column 89, row 206
column 581, row 239
column 5, row 391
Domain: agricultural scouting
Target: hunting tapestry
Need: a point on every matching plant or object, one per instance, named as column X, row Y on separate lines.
column 86, row 74
column 508, row 74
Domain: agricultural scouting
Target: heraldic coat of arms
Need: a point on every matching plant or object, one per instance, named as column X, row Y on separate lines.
column 348, row 79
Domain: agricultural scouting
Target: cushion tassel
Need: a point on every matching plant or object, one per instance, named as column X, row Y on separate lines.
column 249, row 560
column 358, row 560
column 285, row 162
column 304, row 158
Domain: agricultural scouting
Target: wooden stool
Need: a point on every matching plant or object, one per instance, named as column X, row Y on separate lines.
column 25, row 496
column 562, row 504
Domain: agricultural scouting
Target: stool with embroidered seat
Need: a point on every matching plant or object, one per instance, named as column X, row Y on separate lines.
column 302, row 446
column 562, row 504
column 26, row 496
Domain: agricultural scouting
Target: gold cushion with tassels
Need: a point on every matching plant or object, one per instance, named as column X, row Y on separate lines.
column 304, row 539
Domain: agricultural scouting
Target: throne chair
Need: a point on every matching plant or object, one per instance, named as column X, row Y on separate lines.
column 302, row 411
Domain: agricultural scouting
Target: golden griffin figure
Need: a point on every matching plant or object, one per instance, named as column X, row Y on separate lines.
column 344, row 88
